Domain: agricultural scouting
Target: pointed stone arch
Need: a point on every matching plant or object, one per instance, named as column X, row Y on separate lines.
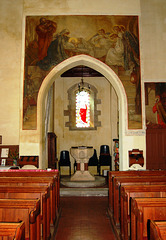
column 97, row 65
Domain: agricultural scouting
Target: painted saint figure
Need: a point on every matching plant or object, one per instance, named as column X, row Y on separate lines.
column 56, row 51
column 161, row 112
column 83, row 113
column 115, row 55
column 45, row 31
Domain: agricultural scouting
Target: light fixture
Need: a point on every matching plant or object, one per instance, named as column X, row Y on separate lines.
column 81, row 84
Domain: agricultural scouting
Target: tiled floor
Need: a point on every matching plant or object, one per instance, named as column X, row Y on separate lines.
column 84, row 218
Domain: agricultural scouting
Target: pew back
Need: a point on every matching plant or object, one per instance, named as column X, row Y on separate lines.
column 157, row 230
column 113, row 174
column 12, row 230
column 127, row 192
column 143, row 209
column 122, row 181
column 38, row 181
column 22, row 210
column 27, row 192
column 39, row 173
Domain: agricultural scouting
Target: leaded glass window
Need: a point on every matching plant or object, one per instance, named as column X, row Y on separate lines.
column 82, row 109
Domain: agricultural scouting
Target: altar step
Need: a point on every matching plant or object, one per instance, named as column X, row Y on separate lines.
column 83, row 192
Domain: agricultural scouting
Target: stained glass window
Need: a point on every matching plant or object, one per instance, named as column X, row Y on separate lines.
column 82, row 109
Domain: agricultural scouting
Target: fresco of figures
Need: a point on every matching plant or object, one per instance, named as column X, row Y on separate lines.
column 113, row 40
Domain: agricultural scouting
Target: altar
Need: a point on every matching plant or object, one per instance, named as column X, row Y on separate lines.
column 82, row 154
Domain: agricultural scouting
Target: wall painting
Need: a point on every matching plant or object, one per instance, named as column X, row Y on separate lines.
column 113, row 40
column 155, row 105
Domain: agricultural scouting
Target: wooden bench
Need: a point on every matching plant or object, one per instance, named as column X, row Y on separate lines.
column 27, row 210
column 156, row 230
column 113, row 174
column 126, row 192
column 39, row 173
column 143, row 209
column 12, row 230
column 28, row 160
column 122, row 181
column 27, row 192
column 38, row 181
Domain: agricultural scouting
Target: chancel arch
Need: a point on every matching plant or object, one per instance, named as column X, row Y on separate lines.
column 55, row 73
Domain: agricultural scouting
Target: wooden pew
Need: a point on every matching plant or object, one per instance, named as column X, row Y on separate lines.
column 143, row 209
column 27, row 210
column 113, row 174
column 36, row 173
column 38, row 181
column 39, row 173
column 27, row 192
column 13, row 230
column 156, row 230
column 122, row 181
column 126, row 192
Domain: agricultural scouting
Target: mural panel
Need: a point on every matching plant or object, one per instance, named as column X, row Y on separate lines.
column 113, row 40
column 155, row 105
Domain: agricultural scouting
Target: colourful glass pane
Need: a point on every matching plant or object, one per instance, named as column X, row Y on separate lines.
column 82, row 109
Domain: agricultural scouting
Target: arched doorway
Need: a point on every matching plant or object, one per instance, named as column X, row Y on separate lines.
column 97, row 65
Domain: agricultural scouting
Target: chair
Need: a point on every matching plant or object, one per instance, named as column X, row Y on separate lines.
column 65, row 160
column 93, row 161
column 105, row 158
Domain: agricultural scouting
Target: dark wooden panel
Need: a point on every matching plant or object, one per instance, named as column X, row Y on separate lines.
column 157, row 230
column 156, row 148
column 28, row 160
column 81, row 71
column 52, row 150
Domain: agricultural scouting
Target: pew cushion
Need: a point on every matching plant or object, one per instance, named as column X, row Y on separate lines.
column 29, row 167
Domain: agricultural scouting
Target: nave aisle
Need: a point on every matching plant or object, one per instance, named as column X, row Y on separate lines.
column 84, row 218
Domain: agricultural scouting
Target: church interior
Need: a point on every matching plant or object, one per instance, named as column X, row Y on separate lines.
column 83, row 119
